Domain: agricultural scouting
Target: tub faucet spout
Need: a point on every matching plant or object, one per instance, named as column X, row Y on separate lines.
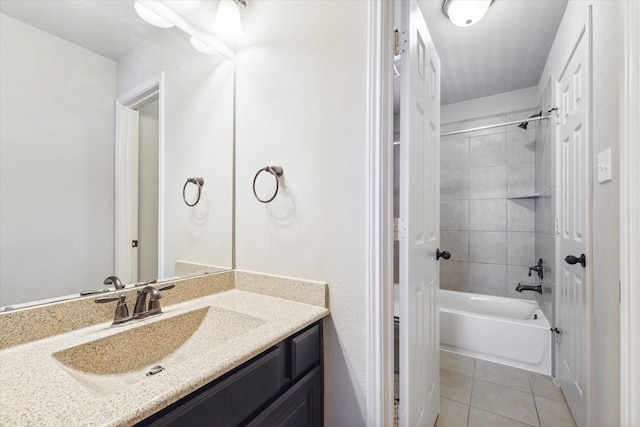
column 521, row 288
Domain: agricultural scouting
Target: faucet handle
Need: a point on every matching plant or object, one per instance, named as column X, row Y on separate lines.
column 148, row 282
column 122, row 311
column 154, row 303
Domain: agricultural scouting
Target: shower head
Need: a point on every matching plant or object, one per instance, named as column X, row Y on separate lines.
column 524, row 125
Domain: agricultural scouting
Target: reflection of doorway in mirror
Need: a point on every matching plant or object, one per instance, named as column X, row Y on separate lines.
column 139, row 176
column 147, row 218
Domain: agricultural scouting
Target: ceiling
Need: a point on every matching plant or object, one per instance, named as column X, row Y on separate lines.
column 505, row 51
column 107, row 27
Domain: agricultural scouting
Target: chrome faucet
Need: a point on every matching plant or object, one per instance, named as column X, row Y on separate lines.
column 141, row 309
column 113, row 280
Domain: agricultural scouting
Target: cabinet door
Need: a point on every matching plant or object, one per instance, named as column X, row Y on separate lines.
column 227, row 402
column 300, row 406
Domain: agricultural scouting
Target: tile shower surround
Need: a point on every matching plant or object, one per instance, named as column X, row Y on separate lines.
column 545, row 208
column 485, row 221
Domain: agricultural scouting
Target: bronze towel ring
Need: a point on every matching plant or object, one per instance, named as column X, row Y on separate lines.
column 197, row 181
column 276, row 171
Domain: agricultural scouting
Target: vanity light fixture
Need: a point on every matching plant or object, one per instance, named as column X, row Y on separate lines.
column 228, row 20
column 150, row 16
column 464, row 13
column 203, row 41
column 202, row 47
column 184, row 4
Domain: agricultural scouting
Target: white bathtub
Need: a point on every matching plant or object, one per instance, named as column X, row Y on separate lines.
column 503, row 330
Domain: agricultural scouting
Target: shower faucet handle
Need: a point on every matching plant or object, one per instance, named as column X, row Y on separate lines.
column 537, row 268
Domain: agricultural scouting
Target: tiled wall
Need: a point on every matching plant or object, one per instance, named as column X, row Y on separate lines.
column 545, row 206
column 486, row 222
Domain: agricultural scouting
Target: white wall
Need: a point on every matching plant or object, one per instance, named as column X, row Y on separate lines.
column 501, row 103
column 607, row 71
column 301, row 104
column 198, row 141
column 57, row 165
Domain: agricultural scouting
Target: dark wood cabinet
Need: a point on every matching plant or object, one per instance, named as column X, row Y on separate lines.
column 300, row 406
column 280, row 387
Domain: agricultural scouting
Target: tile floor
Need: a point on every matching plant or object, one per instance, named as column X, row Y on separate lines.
column 477, row 393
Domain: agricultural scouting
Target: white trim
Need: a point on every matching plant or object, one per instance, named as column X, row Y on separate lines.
column 126, row 124
column 161, row 175
column 380, row 215
column 125, row 157
column 629, row 224
column 586, row 34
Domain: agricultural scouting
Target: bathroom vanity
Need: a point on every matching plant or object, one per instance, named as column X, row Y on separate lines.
column 281, row 386
column 235, row 348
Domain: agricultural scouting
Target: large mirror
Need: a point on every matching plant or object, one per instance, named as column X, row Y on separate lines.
column 110, row 128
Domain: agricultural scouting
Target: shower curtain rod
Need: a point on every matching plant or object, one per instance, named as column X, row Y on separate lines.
column 514, row 122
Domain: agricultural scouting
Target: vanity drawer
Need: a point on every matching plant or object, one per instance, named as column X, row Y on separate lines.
column 228, row 401
column 305, row 350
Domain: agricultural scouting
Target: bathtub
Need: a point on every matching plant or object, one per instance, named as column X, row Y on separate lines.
column 503, row 330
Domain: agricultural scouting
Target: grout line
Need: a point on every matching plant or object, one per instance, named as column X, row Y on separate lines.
column 535, row 403
column 473, row 382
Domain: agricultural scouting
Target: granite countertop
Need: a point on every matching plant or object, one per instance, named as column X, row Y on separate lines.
column 37, row 389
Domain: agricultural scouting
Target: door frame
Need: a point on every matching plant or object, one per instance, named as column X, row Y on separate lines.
column 126, row 158
column 629, row 214
column 379, row 221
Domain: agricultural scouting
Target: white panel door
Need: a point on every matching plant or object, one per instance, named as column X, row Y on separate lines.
column 419, row 213
column 573, row 284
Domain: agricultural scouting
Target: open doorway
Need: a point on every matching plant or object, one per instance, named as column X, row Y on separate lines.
column 147, row 191
column 139, row 178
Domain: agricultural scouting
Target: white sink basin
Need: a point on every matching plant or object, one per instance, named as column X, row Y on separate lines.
column 109, row 364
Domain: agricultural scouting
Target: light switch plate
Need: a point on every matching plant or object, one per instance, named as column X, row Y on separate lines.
column 604, row 166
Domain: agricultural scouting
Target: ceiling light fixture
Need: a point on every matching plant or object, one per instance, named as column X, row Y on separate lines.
column 464, row 13
column 150, row 16
column 228, row 18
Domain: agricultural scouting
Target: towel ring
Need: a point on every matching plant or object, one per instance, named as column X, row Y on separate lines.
column 276, row 171
column 197, row 181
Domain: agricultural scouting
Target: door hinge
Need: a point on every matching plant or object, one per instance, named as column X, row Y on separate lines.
column 402, row 229
column 401, row 41
column 134, row 243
